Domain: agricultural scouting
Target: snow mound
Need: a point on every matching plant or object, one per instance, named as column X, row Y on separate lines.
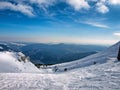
column 15, row 62
column 98, row 58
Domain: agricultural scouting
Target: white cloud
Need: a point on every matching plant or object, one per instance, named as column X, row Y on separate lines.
column 101, row 7
column 117, row 34
column 39, row 1
column 78, row 4
column 114, row 2
column 96, row 24
column 92, row 0
column 44, row 2
column 25, row 9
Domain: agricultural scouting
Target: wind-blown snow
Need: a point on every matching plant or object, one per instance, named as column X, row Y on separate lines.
column 9, row 63
column 81, row 75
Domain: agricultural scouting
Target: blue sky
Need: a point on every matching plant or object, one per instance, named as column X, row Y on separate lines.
column 60, row 21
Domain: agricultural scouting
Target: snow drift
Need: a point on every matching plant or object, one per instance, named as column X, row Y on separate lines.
column 15, row 62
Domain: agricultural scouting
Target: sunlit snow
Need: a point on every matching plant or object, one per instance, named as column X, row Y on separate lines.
column 82, row 74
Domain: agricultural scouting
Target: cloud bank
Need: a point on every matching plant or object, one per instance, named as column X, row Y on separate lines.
column 114, row 2
column 26, row 7
column 117, row 34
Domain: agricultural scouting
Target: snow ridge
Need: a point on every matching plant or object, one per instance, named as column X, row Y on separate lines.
column 15, row 62
column 98, row 58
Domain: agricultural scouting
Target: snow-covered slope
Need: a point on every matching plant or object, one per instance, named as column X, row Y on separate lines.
column 105, row 75
column 15, row 62
column 98, row 58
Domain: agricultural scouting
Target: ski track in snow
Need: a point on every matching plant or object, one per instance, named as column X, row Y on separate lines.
column 95, row 77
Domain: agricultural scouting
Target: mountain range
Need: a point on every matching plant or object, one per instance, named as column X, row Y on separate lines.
column 40, row 53
column 99, row 71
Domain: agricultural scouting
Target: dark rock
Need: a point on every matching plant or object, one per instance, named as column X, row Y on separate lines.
column 118, row 57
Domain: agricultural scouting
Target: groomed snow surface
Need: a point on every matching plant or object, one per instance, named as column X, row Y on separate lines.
column 81, row 74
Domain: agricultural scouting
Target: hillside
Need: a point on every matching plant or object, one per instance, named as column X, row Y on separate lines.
column 99, row 58
column 40, row 53
column 80, row 75
column 15, row 63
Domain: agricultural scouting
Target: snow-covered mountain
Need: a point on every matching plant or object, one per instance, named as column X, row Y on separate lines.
column 98, row 58
column 15, row 62
column 18, row 62
column 82, row 74
column 40, row 53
